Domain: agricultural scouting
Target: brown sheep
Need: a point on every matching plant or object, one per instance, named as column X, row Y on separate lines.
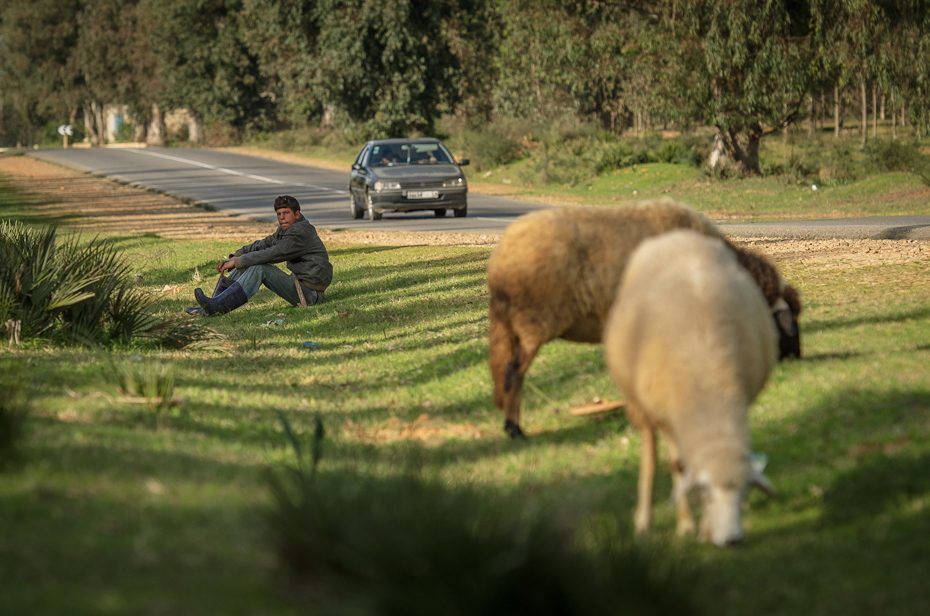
column 690, row 342
column 555, row 272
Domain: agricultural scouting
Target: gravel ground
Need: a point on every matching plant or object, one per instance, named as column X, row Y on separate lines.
column 100, row 204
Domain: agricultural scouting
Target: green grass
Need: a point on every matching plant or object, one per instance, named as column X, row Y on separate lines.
column 746, row 199
column 113, row 513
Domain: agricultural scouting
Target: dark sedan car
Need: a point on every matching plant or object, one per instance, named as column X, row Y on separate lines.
column 407, row 175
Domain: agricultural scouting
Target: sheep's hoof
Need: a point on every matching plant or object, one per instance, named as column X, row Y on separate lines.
column 513, row 430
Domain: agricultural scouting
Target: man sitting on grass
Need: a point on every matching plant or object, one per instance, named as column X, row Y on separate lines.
column 295, row 242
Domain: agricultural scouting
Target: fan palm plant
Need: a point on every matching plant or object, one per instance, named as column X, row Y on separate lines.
column 76, row 291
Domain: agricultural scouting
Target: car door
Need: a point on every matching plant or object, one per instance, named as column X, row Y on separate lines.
column 359, row 174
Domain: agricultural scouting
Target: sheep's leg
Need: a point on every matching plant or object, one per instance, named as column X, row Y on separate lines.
column 647, row 471
column 505, row 362
column 682, row 506
column 519, row 363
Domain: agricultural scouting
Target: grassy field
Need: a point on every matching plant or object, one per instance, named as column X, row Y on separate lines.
column 118, row 509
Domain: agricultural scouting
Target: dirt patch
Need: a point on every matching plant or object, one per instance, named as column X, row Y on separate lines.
column 427, row 430
column 98, row 204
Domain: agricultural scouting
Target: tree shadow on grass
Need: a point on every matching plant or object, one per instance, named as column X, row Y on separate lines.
column 878, row 484
column 847, row 323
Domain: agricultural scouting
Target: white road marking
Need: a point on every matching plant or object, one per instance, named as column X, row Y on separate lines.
column 237, row 173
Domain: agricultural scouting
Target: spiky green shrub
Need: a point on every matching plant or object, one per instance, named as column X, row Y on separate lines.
column 76, row 292
column 400, row 544
column 61, row 288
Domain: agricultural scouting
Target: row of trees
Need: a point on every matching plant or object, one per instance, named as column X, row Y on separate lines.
column 393, row 67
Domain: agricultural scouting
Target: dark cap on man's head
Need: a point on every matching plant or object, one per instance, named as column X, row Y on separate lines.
column 286, row 201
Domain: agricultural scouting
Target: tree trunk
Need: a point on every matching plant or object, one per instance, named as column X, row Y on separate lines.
column 157, row 129
column 810, row 116
column 836, row 112
column 195, row 128
column 863, row 125
column 139, row 131
column 101, row 123
column 746, row 158
column 90, row 135
column 874, row 114
column 93, row 123
column 883, row 107
column 784, row 130
column 329, row 114
column 823, row 110
column 894, row 119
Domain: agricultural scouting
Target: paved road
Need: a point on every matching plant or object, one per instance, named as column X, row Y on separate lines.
column 881, row 228
column 247, row 185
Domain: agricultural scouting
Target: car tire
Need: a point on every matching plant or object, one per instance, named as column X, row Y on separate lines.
column 353, row 208
column 373, row 214
column 461, row 212
column 440, row 212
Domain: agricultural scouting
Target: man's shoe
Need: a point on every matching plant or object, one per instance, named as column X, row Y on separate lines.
column 233, row 297
column 221, row 285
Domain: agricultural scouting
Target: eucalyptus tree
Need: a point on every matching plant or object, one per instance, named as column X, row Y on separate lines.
column 38, row 82
column 115, row 60
column 531, row 63
column 282, row 35
column 204, row 65
column 580, row 56
column 910, row 27
column 392, row 67
column 746, row 67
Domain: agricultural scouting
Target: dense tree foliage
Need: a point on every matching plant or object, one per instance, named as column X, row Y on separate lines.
column 387, row 68
column 38, row 77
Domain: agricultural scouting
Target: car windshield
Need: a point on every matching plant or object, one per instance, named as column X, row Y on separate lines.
column 410, row 154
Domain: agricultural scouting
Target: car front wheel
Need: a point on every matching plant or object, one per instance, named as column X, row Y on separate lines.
column 353, row 208
column 440, row 212
column 373, row 214
column 461, row 212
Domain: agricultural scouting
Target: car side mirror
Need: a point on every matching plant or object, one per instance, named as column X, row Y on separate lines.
column 463, row 162
column 356, row 166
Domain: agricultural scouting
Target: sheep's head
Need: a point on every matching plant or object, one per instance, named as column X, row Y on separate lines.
column 786, row 311
column 722, row 486
column 721, row 514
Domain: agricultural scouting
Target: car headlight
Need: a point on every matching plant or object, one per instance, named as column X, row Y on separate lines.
column 456, row 183
column 379, row 185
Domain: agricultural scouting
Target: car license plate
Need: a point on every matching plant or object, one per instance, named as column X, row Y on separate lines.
column 422, row 194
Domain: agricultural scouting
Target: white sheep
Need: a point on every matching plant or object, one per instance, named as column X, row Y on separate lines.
column 690, row 342
column 554, row 274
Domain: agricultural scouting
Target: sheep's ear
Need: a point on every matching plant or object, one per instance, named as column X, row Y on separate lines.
column 758, row 480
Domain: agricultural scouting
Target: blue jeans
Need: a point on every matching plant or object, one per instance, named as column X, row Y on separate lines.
column 281, row 283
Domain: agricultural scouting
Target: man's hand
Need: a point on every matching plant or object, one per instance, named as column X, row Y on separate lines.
column 226, row 265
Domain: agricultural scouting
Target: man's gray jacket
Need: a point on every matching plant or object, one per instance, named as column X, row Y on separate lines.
column 300, row 246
